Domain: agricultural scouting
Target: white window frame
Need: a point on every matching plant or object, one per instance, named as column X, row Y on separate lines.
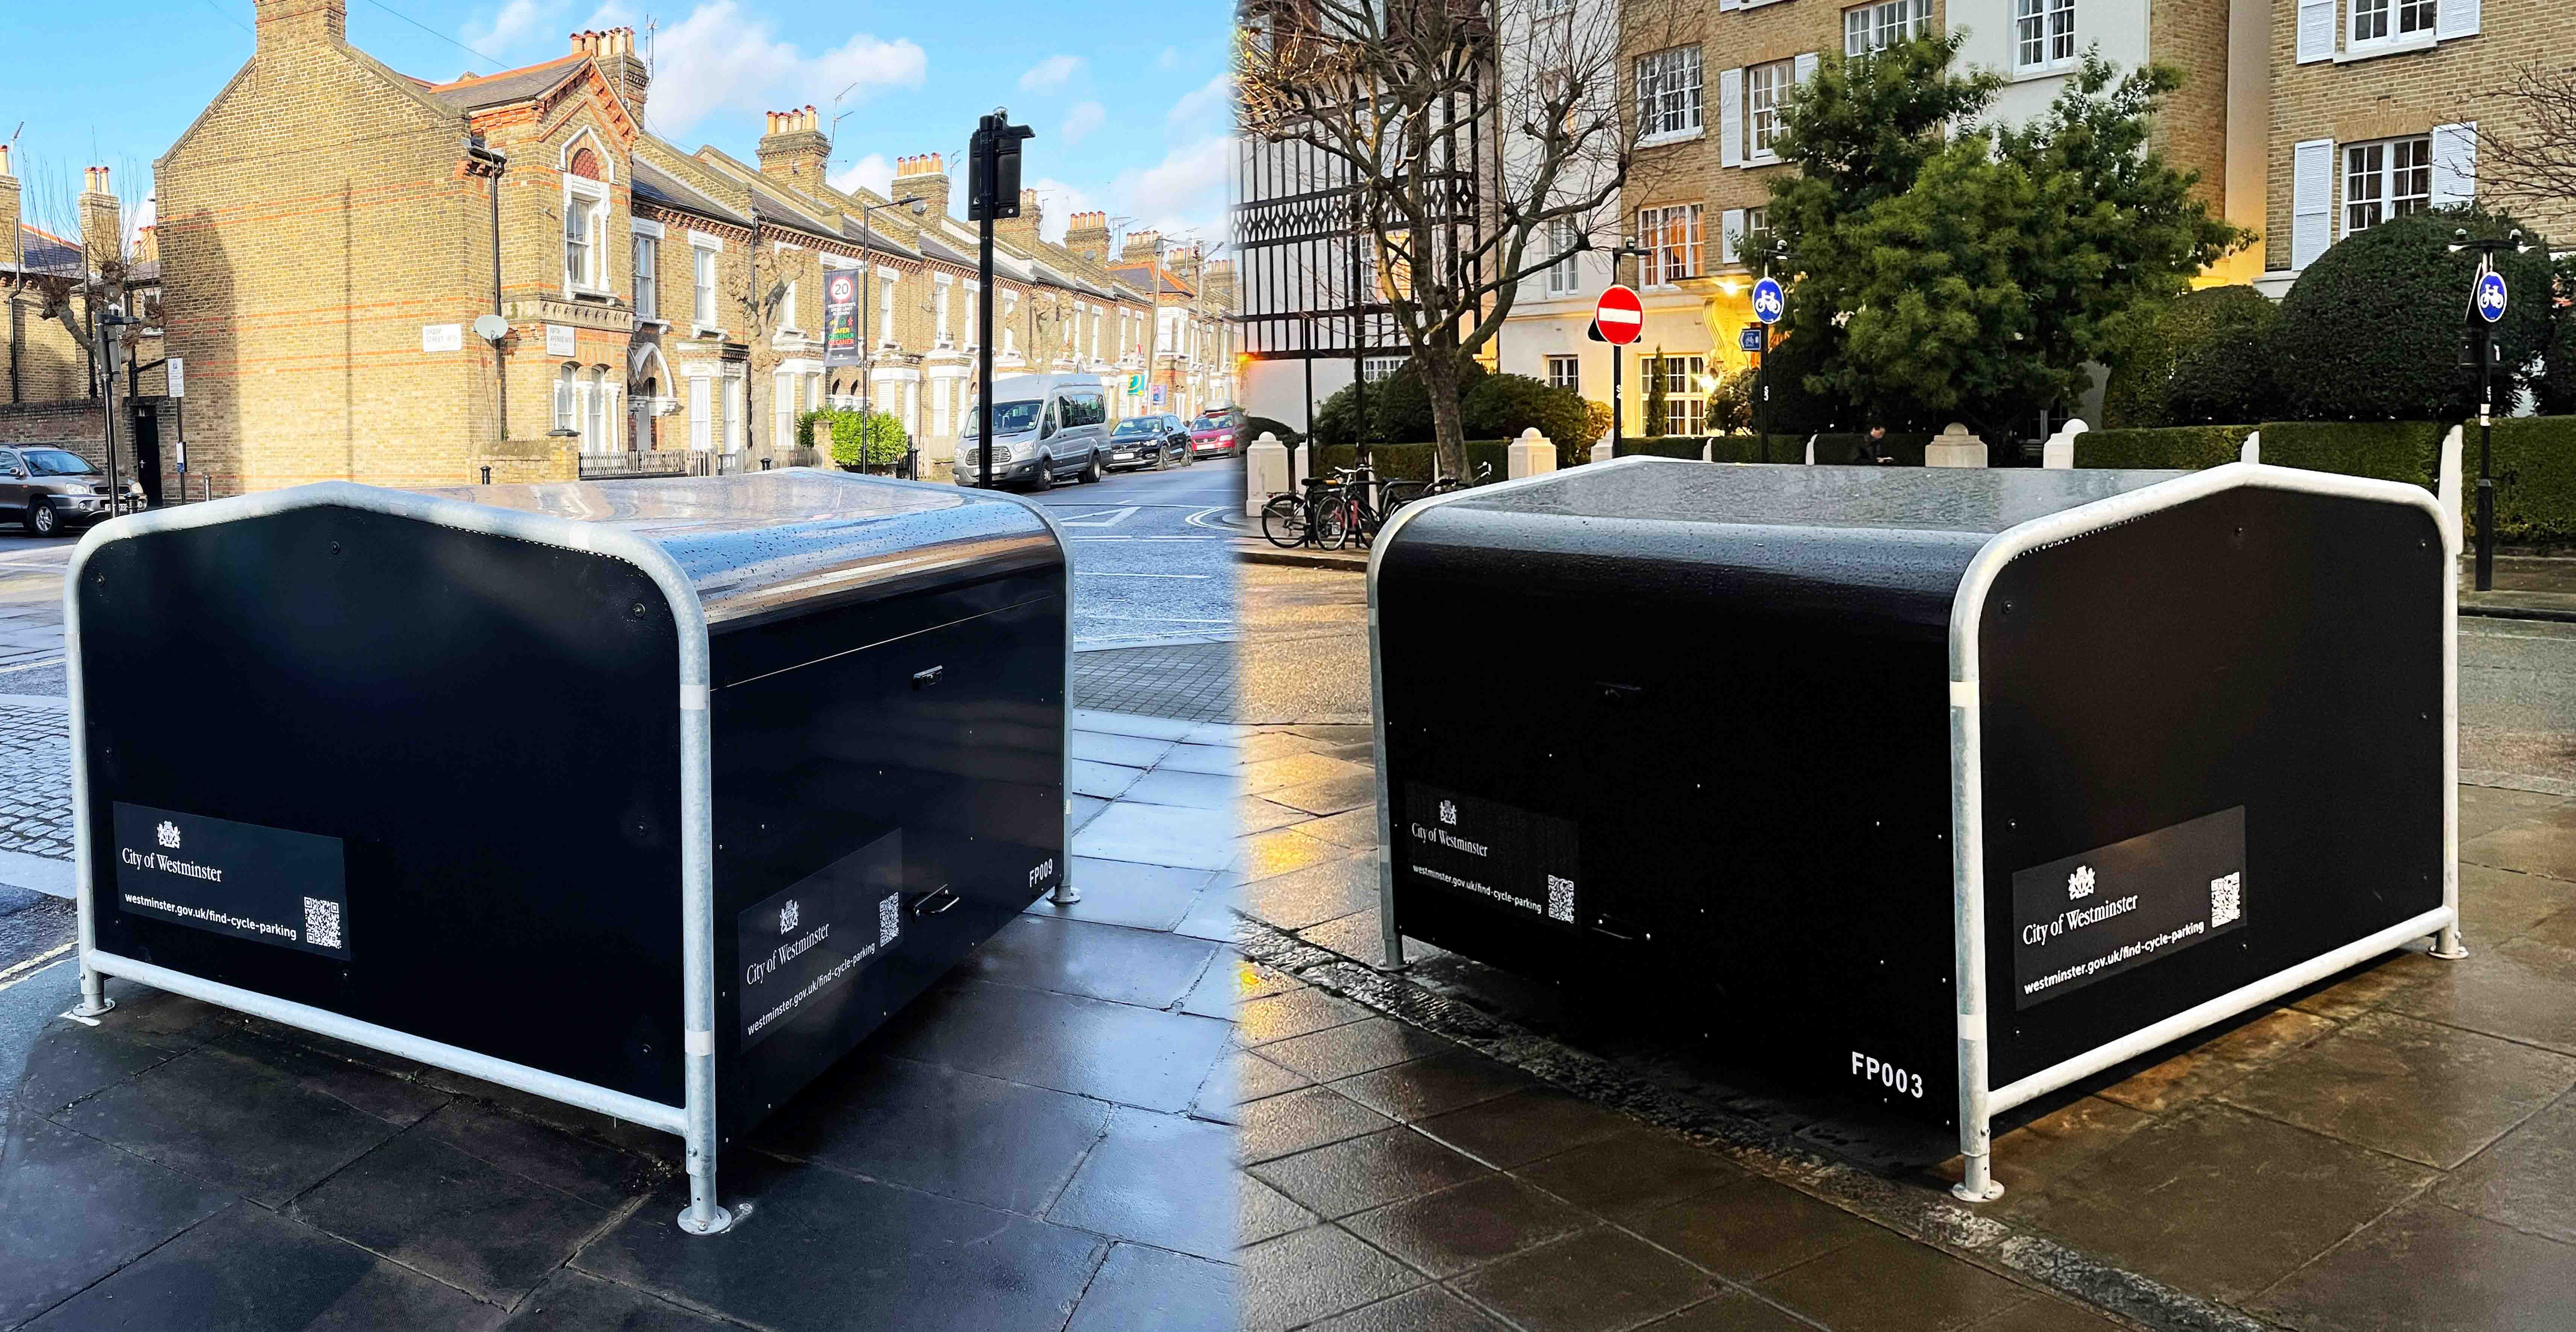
column 644, row 254
column 1671, row 95
column 2387, row 176
column 1565, row 372
column 1761, row 117
column 1376, row 368
column 2389, row 18
column 586, row 200
column 706, row 278
column 1565, row 276
column 702, row 424
column 567, row 415
column 1670, row 260
column 2044, row 36
column 1683, row 396
column 1883, row 24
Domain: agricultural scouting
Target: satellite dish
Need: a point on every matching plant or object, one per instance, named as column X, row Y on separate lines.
column 491, row 327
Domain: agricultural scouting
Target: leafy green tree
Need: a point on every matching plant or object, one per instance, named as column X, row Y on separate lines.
column 2373, row 330
column 1970, row 274
column 2204, row 359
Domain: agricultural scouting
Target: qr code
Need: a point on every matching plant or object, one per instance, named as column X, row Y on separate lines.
column 1560, row 899
column 889, row 920
column 322, row 923
column 2226, row 899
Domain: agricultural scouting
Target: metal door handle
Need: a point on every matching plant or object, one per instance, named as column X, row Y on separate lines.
column 932, row 903
column 925, row 678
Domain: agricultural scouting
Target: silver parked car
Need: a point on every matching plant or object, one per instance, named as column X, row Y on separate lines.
column 49, row 489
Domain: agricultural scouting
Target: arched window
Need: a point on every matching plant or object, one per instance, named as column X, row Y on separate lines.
column 584, row 164
column 564, row 418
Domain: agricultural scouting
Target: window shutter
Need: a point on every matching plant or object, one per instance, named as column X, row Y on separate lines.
column 2455, row 163
column 2316, row 30
column 1730, row 237
column 1730, row 117
column 2311, row 201
column 1806, row 68
column 2456, row 18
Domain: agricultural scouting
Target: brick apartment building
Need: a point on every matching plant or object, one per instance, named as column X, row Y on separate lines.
column 324, row 287
column 2378, row 108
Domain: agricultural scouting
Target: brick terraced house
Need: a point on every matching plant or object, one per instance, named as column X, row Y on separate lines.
column 663, row 307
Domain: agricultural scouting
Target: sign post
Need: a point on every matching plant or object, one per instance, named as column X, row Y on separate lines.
column 1618, row 319
column 2487, row 297
column 1770, row 301
column 177, row 370
column 993, row 191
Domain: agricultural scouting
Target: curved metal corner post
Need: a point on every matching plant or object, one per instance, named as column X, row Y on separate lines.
column 1977, row 1100
column 1390, row 937
column 1065, row 894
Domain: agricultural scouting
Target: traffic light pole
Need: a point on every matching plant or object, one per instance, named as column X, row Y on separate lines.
column 984, row 350
column 992, row 191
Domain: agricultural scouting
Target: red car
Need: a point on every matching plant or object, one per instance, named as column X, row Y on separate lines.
column 1216, row 434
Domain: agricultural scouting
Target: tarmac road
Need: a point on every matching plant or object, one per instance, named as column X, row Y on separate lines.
column 1152, row 557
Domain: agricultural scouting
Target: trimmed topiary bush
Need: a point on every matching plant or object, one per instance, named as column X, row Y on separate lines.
column 1253, row 426
column 2188, row 447
column 2203, row 360
column 1502, row 406
column 2408, row 451
column 859, row 439
column 2535, row 468
column 1398, row 407
column 2372, row 330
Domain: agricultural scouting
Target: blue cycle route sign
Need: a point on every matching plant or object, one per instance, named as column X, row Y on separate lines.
column 1769, row 301
column 2490, row 298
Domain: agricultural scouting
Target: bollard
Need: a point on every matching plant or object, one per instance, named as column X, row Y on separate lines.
column 1265, row 473
column 1955, row 447
column 2059, row 452
column 1530, row 455
column 2252, row 449
column 1602, row 450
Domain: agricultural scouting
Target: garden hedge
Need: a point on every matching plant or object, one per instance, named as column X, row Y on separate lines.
column 1411, row 462
column 2535, row 460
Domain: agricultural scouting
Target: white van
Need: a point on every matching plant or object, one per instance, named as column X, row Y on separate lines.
column 1047, row 428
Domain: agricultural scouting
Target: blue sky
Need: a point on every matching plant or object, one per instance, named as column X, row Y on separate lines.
column 1126, row 96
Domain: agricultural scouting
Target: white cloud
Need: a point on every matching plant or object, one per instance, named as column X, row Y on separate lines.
column 513, row 23
column 722, row 59
column 1184, row 192
column 1169, row 60
column 1050, row 73
column 1208, row 107
column 872, row 173
column 1081, row 121
column 1058, row 203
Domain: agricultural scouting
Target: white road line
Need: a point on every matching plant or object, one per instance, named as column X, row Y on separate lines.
column 57, row 960
column 1095, row 573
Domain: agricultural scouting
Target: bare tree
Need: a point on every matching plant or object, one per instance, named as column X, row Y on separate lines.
column 76, row 284
column 1476, row 143
column 2530, row 153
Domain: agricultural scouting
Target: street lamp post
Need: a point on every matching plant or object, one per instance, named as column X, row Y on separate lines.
column 2481, row 322
column 1628, row 248
column 868, row 297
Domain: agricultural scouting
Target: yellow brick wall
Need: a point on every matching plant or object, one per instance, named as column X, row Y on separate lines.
column 2191, row 129
column 311, row 223
column 2404, row 94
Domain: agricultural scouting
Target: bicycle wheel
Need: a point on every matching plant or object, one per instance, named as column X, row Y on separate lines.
column 1283, row 520
column 1332, row 524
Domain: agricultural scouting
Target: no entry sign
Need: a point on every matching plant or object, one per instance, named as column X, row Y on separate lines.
column 1620, row 315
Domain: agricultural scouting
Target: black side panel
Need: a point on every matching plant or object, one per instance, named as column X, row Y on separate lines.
column 1748, row 727
column 2285, row 657
column 906, row 721
column 491, row 727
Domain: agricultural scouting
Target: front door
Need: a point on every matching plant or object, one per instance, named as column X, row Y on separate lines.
column 147, row 450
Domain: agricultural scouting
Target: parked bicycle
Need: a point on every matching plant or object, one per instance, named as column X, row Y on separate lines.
column 1338, row 509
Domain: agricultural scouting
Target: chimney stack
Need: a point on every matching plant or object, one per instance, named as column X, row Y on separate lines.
column 1087, row 234
column 287, row 24
column 1023, row 231
column 927, row 176
column 102, row 220
column 794, row 149
column 9, row 237
column 614, row 49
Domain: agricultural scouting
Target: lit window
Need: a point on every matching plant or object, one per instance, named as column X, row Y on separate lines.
column 1668, row 92
column 2386, row 180
column 1565, row 372
column 1685, row 394
column 1671, row 238
column 1877, row 27
column 1765, row 88
column 2044, row 33
column 648, row 299
column 1375, row 368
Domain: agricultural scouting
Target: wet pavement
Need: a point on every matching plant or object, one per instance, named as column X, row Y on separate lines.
column 1458, row 1147
column 1042, row 1141
column 1153, row 557
column 2526, row 586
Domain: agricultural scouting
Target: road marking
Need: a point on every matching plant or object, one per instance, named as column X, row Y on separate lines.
column 16, row 980
column 9, row 978
column 32, row 665
column 1100, row 517
column 1157, row 619
column 1094, row 573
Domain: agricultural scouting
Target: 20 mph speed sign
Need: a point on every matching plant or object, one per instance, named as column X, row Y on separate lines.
column 1620, row 316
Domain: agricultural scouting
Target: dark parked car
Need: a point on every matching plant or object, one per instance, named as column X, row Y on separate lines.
column 1137, row 439
column 1217, row 433
column 48, row 489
